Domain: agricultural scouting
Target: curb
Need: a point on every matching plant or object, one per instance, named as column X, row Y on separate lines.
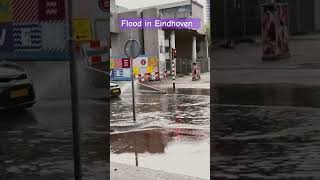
column 128, row 172
column 147, row 87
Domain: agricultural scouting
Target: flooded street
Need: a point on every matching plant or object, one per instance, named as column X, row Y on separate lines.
column 269, row 131
column 171, row 133
column 38, row 142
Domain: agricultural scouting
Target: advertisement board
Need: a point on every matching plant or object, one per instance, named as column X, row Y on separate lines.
column 120, row 67
column 34, row 29
column 82, row 29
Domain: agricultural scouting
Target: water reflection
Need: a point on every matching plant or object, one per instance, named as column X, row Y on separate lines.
column 138, row 142
column 160, row 111
column 268, row 94
column 172, row 150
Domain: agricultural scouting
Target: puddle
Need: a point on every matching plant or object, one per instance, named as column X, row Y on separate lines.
column 180, row 151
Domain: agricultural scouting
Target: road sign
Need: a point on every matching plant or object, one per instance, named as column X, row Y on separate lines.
column 82, row 29
column 132, row 48
column 143, row 62
column 104, row 5
column 5, row 11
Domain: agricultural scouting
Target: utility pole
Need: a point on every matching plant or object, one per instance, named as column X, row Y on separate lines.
column 74, row 99
column 225, row 21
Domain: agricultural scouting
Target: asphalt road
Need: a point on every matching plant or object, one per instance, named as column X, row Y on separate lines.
column 37, row 143
column 266, row 124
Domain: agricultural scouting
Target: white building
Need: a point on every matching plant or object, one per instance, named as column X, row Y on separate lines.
column 191, row 45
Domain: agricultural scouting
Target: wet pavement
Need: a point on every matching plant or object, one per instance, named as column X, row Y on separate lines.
column 38, row 142
column 268, row 131
column 171, row 132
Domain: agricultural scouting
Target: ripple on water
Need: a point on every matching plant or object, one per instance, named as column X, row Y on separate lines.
column 266, row 142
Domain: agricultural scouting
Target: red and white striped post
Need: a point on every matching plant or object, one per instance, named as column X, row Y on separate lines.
column 174, row 56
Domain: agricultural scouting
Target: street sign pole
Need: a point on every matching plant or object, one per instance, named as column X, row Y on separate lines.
column 132, row 50
column 74, row 100
column 133, row 94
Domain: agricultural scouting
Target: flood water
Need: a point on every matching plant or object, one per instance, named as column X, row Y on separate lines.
column 172, row 132
column 266, row 132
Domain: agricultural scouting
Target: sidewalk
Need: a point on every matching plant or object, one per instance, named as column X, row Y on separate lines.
column 304, row 54
column 184, row 82
column 126, row 172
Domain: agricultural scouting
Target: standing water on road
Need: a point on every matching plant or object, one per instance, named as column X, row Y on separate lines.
column 266, row 132
column 172, row 132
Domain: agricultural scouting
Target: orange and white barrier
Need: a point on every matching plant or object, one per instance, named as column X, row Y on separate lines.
column 139, row 77
column 157, row 76
column 165, row 75
column 95, row 47
column 147, row 77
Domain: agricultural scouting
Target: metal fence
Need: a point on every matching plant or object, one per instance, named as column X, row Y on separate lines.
column 184, row 66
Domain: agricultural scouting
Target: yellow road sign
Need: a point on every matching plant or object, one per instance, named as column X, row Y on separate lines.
column 82, row 29
column 135, row 71
column 5, row 11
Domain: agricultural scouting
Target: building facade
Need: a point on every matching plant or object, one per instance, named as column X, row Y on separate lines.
column 191, row 45
column 237, row 18
column 208, row 11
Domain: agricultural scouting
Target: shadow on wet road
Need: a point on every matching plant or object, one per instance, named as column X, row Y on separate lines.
column 265, row 132
column 268, row 94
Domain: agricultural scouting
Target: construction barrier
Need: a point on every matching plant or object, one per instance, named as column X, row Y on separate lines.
column 95, row 52
column 165, row 75
column 140, row 77
column 147, row 77
column 196, row 71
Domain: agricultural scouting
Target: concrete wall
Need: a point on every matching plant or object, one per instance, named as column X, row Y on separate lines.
column 112, row 6
column 162, row 57
column 197, row 12
column 84, row 9
column 202, row 46
column 176, row 12
column 317, row 15
column 115, row 43
column 307, row 15
column 184, row 46
column 118, row 40
column 246, row 17
column 151, row 44
column 114, row 24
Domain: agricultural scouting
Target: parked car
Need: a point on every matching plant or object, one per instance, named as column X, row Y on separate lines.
column 114, row 89
column 16, row 89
